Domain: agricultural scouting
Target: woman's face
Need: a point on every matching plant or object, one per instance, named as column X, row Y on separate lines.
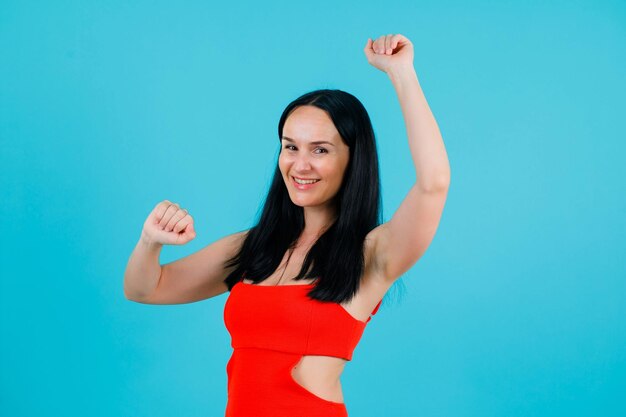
column 311, row 148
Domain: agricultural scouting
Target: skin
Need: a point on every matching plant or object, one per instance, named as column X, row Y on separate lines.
column 394, row 246
column 391, row 248
column 326, row 162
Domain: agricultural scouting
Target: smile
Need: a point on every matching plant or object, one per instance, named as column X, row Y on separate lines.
column 304, row 181
column 303, row 184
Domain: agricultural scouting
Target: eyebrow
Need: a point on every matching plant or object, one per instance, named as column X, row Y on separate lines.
column 319, row 142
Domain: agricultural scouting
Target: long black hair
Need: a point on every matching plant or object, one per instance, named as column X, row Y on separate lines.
column 336, row 259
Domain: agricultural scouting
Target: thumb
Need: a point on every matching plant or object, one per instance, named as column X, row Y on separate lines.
column 368, row 48
column 190, row 230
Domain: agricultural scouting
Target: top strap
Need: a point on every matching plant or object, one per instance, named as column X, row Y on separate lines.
column 375, row 310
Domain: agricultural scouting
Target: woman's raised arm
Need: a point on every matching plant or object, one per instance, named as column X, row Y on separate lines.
column 401, row 241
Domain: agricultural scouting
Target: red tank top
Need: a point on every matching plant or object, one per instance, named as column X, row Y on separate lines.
column 272, row 328
column 284, row 318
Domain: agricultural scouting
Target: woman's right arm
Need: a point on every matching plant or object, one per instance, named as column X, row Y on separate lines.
column 193, row 278
column 143, row 269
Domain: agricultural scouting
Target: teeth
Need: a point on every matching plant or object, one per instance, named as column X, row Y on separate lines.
column 304, row 182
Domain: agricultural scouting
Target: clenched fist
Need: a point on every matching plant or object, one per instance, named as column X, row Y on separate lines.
column 168, row 224
column 390, row 53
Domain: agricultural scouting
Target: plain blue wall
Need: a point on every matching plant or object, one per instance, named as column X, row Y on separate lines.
column 106, row 108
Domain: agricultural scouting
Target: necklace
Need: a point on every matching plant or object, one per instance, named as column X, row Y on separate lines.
column 286, row 263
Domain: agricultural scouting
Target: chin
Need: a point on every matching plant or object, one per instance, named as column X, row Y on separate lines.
column 304, row 202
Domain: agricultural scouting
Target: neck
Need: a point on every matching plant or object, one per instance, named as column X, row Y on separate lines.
column 316, row 221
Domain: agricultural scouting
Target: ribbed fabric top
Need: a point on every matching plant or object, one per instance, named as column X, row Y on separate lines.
column 283, row 318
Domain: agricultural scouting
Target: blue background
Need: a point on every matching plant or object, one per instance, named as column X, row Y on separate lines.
column 518, row 307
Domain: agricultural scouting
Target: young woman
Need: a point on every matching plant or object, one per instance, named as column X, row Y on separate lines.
column 304, row 282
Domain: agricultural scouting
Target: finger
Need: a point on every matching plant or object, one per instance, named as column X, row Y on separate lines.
column 388, row 44
column 368, row 48
column 160, row 210
column 381, row 45
column 173, row 208
column 402, row 40
column 176, row 217
column 395, row 40
column 179, row 221
column 169, row 212
column 373, row 46
column 190, row 230
column 377, row 47
column 187, row 234
column 184, row 225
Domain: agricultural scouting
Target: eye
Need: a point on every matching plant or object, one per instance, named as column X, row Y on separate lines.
column 319, row 148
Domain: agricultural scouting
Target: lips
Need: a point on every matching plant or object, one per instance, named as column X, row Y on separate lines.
column 306, row 179
column 303, row 186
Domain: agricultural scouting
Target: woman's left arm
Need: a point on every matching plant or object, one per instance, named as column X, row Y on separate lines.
column 401, row 241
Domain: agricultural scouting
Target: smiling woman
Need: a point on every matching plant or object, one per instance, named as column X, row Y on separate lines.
column 306, row 159
column 312, row 195
column 319, row 248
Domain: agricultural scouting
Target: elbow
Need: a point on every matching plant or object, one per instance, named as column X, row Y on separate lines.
column 132, row 295
column 129, row 296
column 127, row 293
column 435, row 183
column 135, row 298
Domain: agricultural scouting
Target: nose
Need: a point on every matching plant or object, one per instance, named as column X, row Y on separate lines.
column 302, row 163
